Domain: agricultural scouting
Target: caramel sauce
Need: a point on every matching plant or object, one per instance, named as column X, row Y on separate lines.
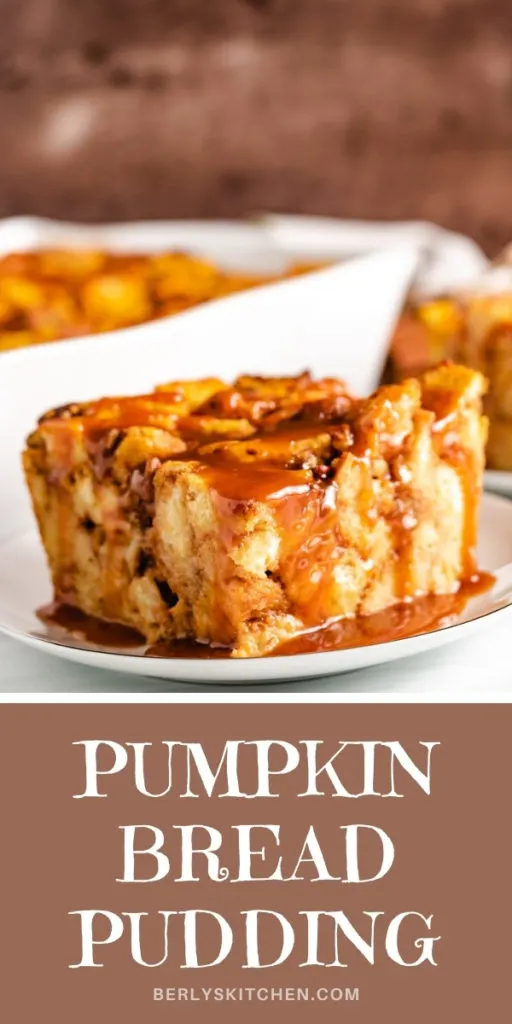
column 63, row 618
column 468, row 474
column 423, row 615
column 238, row 483
column 187, row 649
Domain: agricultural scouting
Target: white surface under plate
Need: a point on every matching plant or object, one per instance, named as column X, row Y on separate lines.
column 24, row 587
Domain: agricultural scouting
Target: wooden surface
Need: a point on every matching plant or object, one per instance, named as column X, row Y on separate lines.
column 359, row 108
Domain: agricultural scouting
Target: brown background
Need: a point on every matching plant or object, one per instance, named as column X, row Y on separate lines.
column 58, row 854
column 359, row 108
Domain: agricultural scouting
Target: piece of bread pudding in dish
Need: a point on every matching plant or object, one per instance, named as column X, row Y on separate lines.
column 244, row 515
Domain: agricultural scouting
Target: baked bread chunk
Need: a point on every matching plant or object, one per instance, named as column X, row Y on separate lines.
column 475, row 330
column 243, row 515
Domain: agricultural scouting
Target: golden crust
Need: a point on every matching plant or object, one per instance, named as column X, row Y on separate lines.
column 243, row 515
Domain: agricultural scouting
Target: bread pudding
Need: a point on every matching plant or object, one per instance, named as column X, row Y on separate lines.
column 474, row 330
column 52, row 294
column 245, row 515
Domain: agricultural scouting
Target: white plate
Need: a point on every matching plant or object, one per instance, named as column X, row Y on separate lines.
column 499, row 481
column 24, row 587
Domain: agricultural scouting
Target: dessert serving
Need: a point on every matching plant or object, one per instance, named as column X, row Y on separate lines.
column 475, row 330
column 244, row 517
column 52, row 294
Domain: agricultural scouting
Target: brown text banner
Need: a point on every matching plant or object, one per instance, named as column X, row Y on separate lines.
column 212, row 862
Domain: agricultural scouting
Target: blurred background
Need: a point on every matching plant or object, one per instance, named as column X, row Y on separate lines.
column 123, row 109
